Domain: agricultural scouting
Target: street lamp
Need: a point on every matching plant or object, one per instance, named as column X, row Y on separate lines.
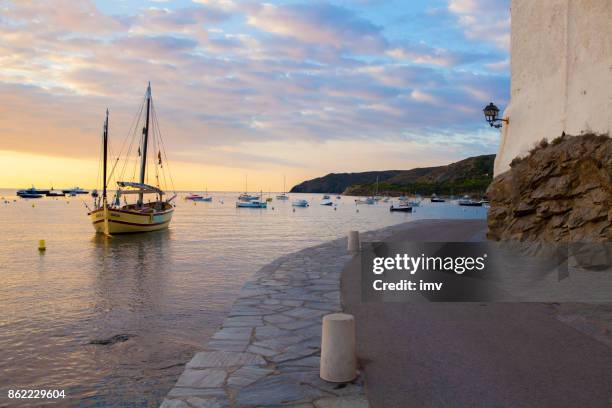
column 491, row 111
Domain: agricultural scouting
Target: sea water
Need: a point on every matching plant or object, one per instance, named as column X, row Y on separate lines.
column 152, row 299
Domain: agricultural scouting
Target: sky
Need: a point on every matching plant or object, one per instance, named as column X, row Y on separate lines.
column 265, row 89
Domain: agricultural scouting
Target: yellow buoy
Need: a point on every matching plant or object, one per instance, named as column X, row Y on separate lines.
column 41, row 245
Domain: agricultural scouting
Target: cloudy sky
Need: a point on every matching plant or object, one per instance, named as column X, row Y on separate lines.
column 301, row 88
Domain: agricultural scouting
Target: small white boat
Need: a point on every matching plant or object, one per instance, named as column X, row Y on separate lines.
column 466, row 201
column 326, row 197
column 435, row 199
column 251, row 204
column 300, row 203
column 327, row 202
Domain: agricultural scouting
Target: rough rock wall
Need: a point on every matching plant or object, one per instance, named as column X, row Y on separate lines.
column 561, row 73
column 560, row 192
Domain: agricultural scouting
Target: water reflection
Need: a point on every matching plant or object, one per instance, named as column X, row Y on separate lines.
column 167, row 290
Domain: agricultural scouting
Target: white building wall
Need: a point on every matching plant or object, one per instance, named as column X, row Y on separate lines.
column 561, row 67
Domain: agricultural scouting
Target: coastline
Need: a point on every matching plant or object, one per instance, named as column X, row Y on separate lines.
column 267, row 350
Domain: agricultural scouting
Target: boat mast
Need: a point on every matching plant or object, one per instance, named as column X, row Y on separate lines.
column 105, row 139
column 145, row 140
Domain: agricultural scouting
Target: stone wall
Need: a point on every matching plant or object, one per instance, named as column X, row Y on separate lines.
column 561, row 68
column 562, row 191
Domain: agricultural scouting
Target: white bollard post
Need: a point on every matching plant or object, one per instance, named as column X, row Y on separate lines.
column 353, row 241
column 338, row 359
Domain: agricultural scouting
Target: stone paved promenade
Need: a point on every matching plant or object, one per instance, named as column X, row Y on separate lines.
column 267, row 352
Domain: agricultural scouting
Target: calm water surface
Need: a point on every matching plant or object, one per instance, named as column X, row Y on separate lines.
column 168, row 290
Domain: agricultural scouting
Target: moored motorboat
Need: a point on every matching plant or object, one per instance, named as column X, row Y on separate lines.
column 401, row 208
column 114, row 218
column 31, row 193
column 369, row 201
column 327, row 202
column 200, row 198
column 251, row 204
column 194, row 197
column 300, row 203
column 75, row 190
column 55, row 193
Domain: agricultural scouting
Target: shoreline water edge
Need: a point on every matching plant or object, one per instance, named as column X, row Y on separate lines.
column 267, row 351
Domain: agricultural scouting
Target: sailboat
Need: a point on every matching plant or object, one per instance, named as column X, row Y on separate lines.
column 112, row 217
column 284, row 195
column 246, row 196
column 372, row 199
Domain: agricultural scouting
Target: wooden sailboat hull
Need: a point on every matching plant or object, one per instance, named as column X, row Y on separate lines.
column 128, row 222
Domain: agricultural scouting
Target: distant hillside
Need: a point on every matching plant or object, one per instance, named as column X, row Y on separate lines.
column 468, row 176
column 336, row 183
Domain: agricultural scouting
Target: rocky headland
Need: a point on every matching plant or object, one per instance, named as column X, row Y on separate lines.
column 560, row 192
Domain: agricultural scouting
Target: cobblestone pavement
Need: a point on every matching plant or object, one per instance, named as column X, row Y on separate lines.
column 267, row 352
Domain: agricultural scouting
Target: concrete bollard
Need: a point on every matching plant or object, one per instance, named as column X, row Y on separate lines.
column 353, row 241
column 338, row 359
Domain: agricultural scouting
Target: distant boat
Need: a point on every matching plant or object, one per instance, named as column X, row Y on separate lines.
column 369, row 200
column 198, row 197
column 75, row 190
column 401, row 208
column 326, row 197
column 94, row 193
column 327, row 202
column 194, row 197
column 284, row 195
column 435, row 199
column 114, row 218
column 300, row 203
column 248, row 197
column 31, row 193
column 466, row 201
column 251, row 204
column 54, row 193
column 338, row 197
